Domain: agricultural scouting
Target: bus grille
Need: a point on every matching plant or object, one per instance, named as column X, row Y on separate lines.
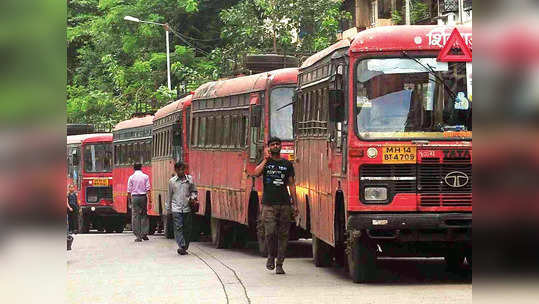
column 427, row 180
column 95, row 194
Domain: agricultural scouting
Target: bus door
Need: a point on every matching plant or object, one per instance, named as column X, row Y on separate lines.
column 337, row 92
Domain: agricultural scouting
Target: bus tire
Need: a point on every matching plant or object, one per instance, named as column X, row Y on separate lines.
column 321, row 253
column 261, row 237
column 84, row 223
column 120, row 226
column 454, row 260
column 168, row 230
column 153, row 225
column 195, row 227
column 241, row 236
column 218, row 233
column 362, row 260
column 109, row 227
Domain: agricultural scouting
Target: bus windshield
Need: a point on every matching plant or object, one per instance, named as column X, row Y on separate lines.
column 407, row 98
column 98, row 158
column 281, row 113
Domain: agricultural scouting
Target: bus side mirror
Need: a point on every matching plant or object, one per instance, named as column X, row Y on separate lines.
column 336, row 105
column 256, row 115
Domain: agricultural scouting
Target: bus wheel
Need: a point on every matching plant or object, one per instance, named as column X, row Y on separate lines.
column 261, row 238
column 84, row 223
column 321, row 253
column 218, row 233
column 362, row 260
column 241, row 236
column 98, row 224
column 120, row 225
column 168, row 226
column 153, row 225
column 454, row 260
column 109, row 226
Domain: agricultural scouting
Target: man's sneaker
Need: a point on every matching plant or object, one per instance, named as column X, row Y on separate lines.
column 138, row 240
column 279, row 269
column 270, row 264
column 145, row 238
column 182, row 251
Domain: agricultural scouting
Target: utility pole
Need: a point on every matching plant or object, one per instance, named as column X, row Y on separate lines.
column 407, row 12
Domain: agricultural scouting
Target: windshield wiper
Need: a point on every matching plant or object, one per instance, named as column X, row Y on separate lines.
column 431, row 70
column 286, row 105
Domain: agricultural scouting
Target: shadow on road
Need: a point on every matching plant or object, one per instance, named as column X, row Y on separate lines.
column 408, row 271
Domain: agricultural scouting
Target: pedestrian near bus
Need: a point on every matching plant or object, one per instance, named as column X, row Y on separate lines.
column 138, row 190
column 72, row 210
column 279, row 208
column 182, row 192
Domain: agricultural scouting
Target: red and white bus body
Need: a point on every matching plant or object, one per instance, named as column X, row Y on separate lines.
column 132, row 143
column 170, row 132
column 398, row 175
column 95, row 194
column 226, row 145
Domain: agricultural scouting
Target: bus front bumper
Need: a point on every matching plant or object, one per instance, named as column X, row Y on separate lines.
column 414, row 226
column 98, row 210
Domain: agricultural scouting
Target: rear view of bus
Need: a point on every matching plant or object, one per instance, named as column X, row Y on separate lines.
column 96, row 184
column 132, row 141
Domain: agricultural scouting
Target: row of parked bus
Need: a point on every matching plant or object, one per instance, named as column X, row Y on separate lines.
column 379, row 131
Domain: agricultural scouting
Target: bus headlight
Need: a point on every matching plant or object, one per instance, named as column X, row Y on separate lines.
column 372, row 152
column 375, row 193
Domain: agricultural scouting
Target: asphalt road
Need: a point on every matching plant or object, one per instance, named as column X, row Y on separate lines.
column 111, row 268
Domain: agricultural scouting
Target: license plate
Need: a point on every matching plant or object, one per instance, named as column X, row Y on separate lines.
column 100, row 182
column 399, row 154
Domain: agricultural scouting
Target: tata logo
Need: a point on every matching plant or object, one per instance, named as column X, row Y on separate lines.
column 457, row 154
column 456, row 179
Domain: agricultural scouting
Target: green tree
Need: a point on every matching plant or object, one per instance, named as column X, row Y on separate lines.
column 283, row 26
column 116, row 67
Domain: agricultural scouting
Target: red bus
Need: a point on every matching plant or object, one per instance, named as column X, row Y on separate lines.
column 132, row 143
column 90, row 170
column 170, row 132
column 231, row 122
column 384, row 147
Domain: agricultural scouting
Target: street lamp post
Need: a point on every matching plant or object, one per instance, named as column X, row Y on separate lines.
column 166, row 27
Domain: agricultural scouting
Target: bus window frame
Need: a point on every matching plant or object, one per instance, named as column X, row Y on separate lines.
column 397, row 55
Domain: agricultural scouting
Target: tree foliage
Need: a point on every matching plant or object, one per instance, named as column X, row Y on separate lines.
column 280, row 26
column 117, row 67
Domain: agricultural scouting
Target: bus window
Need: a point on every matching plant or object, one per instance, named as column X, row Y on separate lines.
column 202, row 132
column 281, row 113
column 194, row 130
column 244, row 130
column 219, row 131
column 226, row 131
column 98, row 158
column 210, row 140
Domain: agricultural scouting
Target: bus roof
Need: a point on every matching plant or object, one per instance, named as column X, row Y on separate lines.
column 106, row 137
column 134, row 122
column 246, row 84
column 77, row 139
column 173, row 107
column 407, row 38
column 323, row 53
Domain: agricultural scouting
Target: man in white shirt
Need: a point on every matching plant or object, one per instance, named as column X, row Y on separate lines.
column 182, row 191
column 138, row 187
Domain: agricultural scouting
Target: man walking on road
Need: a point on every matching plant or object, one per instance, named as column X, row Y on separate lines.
column 138, row 188
column 182, row 191
column 277, row 208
